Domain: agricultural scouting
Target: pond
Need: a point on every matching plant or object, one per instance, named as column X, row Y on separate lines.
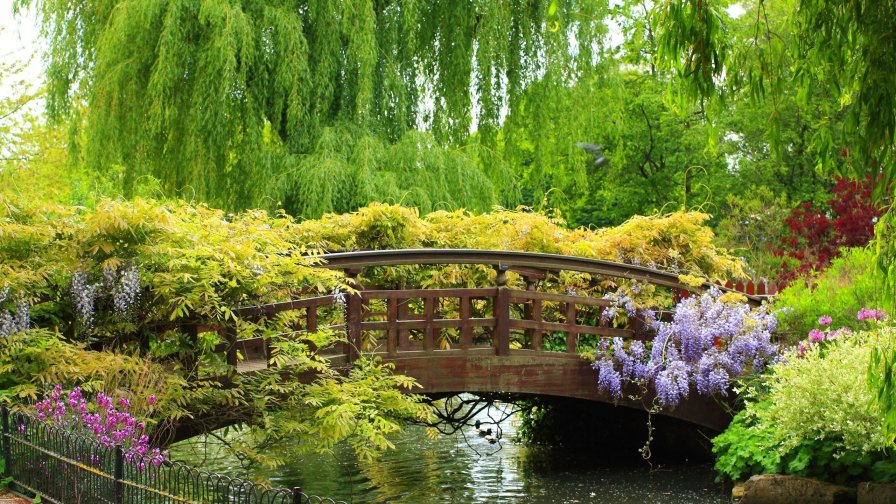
column 466, row 468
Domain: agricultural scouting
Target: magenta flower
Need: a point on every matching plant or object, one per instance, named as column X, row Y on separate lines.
column 871, row 314
column 816, row 335
column 151, row 400
column 825, row 320
column 102, row 421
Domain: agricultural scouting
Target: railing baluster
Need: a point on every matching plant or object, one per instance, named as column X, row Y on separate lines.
column 311, row 319
column 404, row 336
column 429, row 316
column 501, row 310
column 529, row 309
column 571, row 334
column 535, row 336
column 466, row 325
column 392, row 320
column 353, row 317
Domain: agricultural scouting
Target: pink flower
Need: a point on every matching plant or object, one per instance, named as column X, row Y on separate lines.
column 871, row 314
column 151, row 400
column 816, row 335
column 825, row 320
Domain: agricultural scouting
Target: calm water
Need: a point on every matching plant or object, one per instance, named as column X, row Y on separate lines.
column 454, row 469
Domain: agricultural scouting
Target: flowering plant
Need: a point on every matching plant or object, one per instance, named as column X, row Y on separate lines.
column 817, row 335
column 710, row 341
column 108, row 421
column 872, row 314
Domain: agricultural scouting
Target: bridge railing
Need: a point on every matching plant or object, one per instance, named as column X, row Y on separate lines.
column 496, row 318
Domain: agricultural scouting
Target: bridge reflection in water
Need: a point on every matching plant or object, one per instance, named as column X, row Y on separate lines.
column 498, row 334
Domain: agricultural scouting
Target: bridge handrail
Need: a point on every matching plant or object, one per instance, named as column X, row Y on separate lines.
column 511, row 260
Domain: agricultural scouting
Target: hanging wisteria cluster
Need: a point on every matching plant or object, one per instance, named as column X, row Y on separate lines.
column 16, row 320
column 109, row 422
column 710, row 341
column 122, row 285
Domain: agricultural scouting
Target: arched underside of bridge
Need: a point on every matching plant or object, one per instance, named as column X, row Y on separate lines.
column 535, row 373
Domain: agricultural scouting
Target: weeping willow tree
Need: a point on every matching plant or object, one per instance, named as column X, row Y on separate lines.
column 244, row 102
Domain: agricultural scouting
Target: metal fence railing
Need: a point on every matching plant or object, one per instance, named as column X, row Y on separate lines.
column 66, row 468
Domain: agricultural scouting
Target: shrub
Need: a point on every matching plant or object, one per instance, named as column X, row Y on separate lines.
column 815, row 417
column 850, row 284
column 815, row 235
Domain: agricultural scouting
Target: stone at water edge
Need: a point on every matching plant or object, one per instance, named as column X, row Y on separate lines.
column 877, row 493
column 780, row 489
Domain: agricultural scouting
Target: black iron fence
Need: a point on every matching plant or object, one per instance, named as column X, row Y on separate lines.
column 66, row 468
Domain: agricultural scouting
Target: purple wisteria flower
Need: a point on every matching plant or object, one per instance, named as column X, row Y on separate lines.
column 708, row 344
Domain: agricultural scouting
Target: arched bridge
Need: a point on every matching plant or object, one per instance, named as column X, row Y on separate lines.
column 514, row 336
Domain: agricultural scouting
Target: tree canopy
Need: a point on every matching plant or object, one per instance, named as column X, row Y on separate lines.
column 205, row 95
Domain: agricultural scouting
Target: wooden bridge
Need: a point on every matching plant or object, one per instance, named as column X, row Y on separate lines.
column 486, row 339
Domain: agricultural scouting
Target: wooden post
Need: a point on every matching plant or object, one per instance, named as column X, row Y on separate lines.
column 353, row 317
column 571, row 335
column 502, row 312
column 404, row 336
column 311, row 319
column 429, row 310
column 532, row 311
column 392, row 322
column 466, row 325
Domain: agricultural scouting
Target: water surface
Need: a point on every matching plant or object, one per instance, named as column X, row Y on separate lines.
column 465, row 468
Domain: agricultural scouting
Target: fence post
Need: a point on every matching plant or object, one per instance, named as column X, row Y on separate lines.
column 502, row 312
column 7, row 466
column 296, row 495
column 119, row 475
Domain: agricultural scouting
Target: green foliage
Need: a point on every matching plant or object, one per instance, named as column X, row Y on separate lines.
column 348, row 168
column 35, row 360
column 362, row 408
column 205, row 95
column 814, row 417
column 848, row 285
column 195, row 263
column 678, row 241
column 752, row 226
